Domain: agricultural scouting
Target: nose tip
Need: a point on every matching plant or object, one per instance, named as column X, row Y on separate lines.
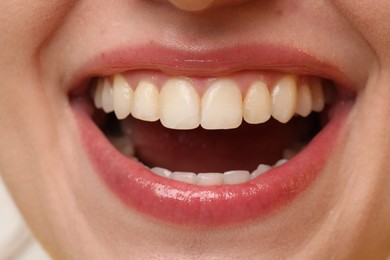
column 192, row 5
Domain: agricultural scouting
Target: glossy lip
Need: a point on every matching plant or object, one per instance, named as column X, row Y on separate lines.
column 187, row 204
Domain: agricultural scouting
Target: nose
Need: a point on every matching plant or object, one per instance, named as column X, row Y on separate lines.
column 200, row 5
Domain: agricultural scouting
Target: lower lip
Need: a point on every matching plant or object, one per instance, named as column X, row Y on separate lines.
column 187, row 204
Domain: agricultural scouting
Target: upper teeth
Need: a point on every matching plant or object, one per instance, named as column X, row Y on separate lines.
column 223, row 104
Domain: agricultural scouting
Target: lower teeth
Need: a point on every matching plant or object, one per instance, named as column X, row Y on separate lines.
column 209, row 178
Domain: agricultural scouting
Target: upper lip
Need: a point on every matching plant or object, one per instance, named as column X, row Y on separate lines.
column 210, row 63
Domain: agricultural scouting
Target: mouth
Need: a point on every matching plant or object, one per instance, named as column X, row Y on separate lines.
column 213, row 144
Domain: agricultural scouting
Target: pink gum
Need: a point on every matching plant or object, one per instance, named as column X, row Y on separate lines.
column 243, row 79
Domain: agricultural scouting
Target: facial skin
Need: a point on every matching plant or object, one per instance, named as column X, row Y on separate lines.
column 43, row 45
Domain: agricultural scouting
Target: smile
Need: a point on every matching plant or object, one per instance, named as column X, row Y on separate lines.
column 212, row 143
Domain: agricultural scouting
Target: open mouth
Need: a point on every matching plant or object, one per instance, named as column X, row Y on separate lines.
column 209, row 150
column 210, row 131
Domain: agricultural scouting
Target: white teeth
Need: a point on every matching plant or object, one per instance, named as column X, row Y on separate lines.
column 107, row 97
column 146, row 102
column 122, row 96
column 236, row 177
column 209, row 179
column 317, row 95
column 179, row 105
column 304, row 103
column 262, row 168
column 257, row 104
column 187, row 177
column 280, row 162
column 284, row 99
column 215, row 178
column 222, row 106
column 161, row 172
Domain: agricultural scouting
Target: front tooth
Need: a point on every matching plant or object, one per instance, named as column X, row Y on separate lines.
column 209, row 179
column 98, row 93
column 179, row 105
column 304, row 103
column 257, row 104
column 122, row 96
column 317, row 94
column 284, row 99
column 236, row 177
column 107, row 97
column 187, row 177
column 146, row 102
column 222, row 106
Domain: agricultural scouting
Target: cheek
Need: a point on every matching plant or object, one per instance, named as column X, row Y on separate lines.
column 25, row 25
column 372, row 21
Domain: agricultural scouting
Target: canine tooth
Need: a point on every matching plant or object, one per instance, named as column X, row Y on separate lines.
column 161, row 172
column 209, row 179
column 257, row 103
column 284, row 99
column 97, row 97
column 222, row 106
column 317, row 95
column 123, row 97
column 304, row 103
column 236, row 177
column 187, row 177
column 179, row 105
column 107, row 97
column 146, row 102
column 262, row 168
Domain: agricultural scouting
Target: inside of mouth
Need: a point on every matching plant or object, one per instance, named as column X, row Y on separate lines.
column 200, row 150
column 247, row 147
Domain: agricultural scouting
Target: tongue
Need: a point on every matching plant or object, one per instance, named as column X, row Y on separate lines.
column 202, row 150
